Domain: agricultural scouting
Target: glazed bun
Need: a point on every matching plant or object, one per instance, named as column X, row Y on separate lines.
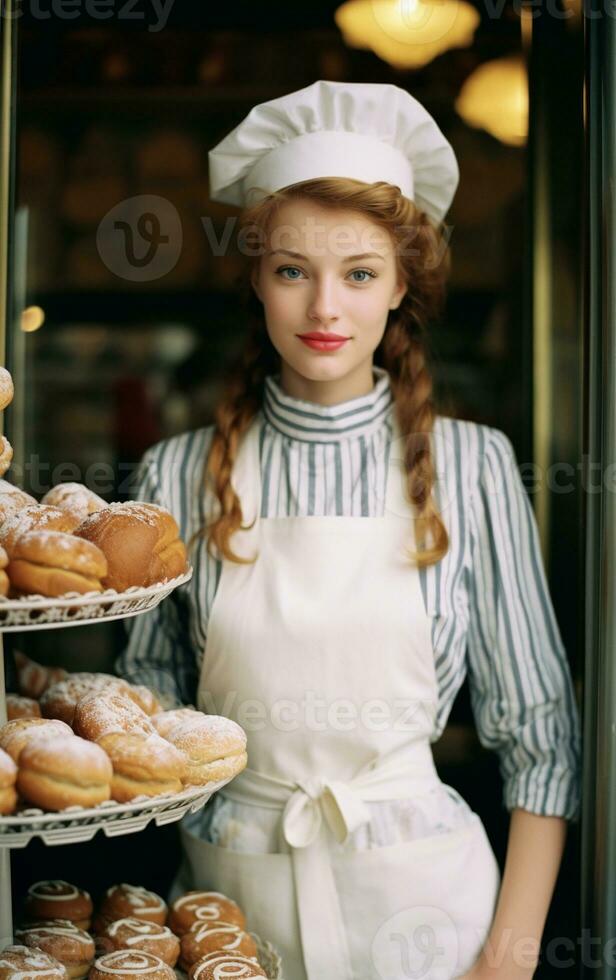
column 22, row 963
column 64, row 771
column 143, row 765
column 140, row 541
column 16, row 734
column 133, row 933
column 17, row 706
column 106, row 712
column 126, row 965
column 130, row 901
column 36, row 517
column 8, row 776
column 60, row 700
column 62, row 939
column 199, row 906
column 214, row 747
column 75, row 498
column 52, row 563
column 209, row 937
column 225, row 966
column 33, row 678
column 12, row 500
column 58, row 899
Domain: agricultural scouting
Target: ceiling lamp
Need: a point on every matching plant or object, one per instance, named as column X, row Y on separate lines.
column 407, row 33
column 495, row 98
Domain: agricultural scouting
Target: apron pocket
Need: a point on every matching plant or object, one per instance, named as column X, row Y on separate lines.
column 419, row 909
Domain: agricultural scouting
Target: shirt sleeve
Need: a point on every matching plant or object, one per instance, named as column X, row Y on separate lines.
column 159, row 653
column 520, row 682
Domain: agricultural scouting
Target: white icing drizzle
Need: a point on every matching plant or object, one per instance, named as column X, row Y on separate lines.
column 33, row 961
column 142, row 929
column 227, row 961
column 139, row 897
column 214, row 928
column 204, row 911
column 123, row 961
column 54, row 891
column 56, row 927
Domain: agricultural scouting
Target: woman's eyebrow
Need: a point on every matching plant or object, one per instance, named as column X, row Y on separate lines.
column 349, row 258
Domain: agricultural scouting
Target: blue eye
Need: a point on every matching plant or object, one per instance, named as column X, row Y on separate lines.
column 288, row 268
column 365, row 272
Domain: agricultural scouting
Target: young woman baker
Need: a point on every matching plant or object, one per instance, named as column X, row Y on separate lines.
column 363, row 554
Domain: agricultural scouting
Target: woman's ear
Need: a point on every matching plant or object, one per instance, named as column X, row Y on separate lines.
column 398, row 296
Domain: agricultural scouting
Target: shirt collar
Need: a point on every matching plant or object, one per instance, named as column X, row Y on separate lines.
column 312, row 422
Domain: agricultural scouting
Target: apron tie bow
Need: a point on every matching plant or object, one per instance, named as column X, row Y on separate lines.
column 342, row 808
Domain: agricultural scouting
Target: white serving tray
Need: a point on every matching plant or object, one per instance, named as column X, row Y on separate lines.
column 35, row 612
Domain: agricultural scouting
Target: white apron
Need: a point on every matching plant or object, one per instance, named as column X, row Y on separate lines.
column 322, row 651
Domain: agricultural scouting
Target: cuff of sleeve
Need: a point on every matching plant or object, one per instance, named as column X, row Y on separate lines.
column 548, row 790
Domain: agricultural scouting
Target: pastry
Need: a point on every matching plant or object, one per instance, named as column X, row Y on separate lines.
column 60, row 700
column 225, row 966
column 214, row 747
column 145, row 698
column 206, row 937
column 164, row 721
column 35, row 517
column 8, row 776
column 4, row 579
column 52, row 563
column 133, row 933
column 202, row 906
column 7, row 389
column 33, row 678
column 106, row 712
column 76, row 498
column 6, row 455
column 21, row 731
column 133, row 901
column 140, row 541
column 17, row 706
column 143, row 765
column 62, row 939
column 123, row 964
column 58, row 900
column 12, row 499
column 22, row 963
column 63, row 771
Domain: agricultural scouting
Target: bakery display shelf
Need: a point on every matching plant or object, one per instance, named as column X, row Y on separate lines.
column 36, row 612
column 76, row 824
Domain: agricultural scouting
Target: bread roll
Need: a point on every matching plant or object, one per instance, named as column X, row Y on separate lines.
column 33, row 678
column 126, row 965
column 35, row 517
column 8, row 776
column 7, row 389
column 164, row 721
column 60, row 700
column 214, row 747
column 202, row 906
column 12, row 500
column 105, row 712
column 142, row 765
column 134, row 901
column 23, row 731
column 58, row 899
column 52, row 563
column 140, row 541
column 6, row 455
column 62, row 939
column 19, row 707
column 22, row 963
column 133, row 933
column 145, row 698
column 75, row 498
column 64, row 771
column 208, row 937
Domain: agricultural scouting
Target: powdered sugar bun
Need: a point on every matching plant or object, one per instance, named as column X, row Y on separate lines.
column 206, row 937
column 164, row 721
column 60, row 700
column 33, row 678
column 133, row 901
column 22, row 963
column 75, row 498
column 225, row 966
column 124, row 964
column 6, row 455
column 34, row 517
column 12, row 499
column 64, row 771
column 61, row 938
column 214, row 746
column 22, row 731
column 8, row 776
column 143, row 765
column 58, row 899
column 108, row 712
column 17, row 706
column 203, row 906
column 133, row 933
column 7, row 389
column 145, row 698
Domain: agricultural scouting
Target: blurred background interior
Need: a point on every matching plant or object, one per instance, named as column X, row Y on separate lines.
column 111, row 109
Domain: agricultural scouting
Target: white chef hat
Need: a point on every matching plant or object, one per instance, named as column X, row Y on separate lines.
column 336, row 129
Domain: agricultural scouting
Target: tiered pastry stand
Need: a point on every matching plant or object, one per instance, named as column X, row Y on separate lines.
column 78, row 824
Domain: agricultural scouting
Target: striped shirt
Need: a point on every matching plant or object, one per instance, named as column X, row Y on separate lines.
column 488, row 599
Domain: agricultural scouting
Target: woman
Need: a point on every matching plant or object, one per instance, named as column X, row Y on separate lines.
column 355, row 555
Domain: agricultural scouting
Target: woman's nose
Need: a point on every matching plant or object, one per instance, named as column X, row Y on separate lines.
column 323, row 303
